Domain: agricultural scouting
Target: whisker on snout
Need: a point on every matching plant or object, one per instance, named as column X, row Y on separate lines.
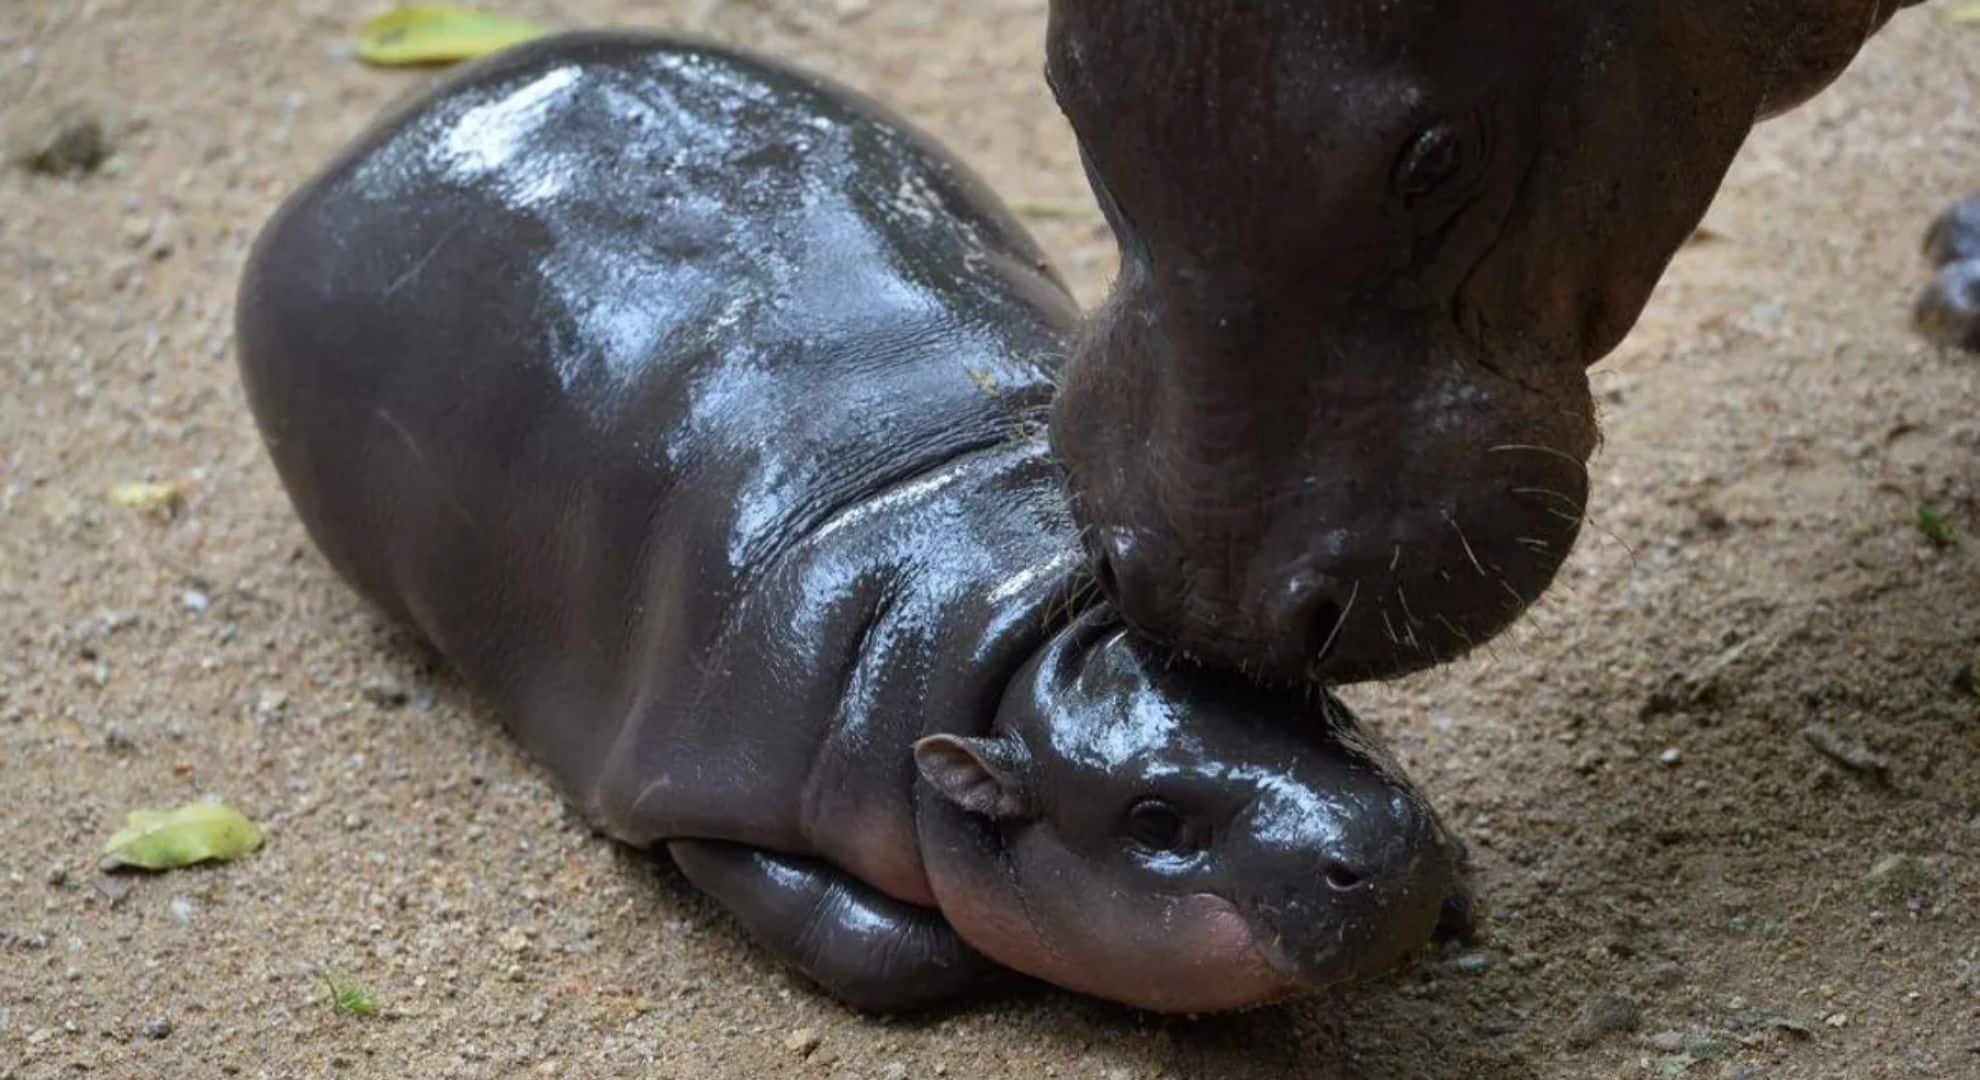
column 1570, row 500
column 1464, row 540
column 1456, row 631
column 1548, row 450
column 1340, row 622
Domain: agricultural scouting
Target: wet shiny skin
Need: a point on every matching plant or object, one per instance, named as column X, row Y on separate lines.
column 693, row 409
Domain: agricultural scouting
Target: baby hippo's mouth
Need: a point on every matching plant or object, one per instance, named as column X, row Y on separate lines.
column 1256, row 959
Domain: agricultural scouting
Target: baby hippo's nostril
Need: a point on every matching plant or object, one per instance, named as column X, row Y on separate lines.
column 1305, row 617
column 1344, row 878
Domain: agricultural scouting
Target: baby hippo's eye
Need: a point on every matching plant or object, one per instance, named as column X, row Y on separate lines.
column 1155, row 825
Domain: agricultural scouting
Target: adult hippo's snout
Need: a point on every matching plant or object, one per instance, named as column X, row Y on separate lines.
column 1331, row 420
column 1424, row 509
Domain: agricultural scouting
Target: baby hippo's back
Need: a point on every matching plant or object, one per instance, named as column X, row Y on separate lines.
column 561, row 356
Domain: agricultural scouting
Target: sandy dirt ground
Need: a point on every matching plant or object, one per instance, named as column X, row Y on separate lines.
column 1682, row 883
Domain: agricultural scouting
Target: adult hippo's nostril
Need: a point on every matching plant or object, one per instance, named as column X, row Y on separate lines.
column 1129, row 572
column 1305, row 617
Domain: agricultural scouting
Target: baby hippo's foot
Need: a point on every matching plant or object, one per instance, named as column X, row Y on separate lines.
column 865, row 948
column 1948, row 311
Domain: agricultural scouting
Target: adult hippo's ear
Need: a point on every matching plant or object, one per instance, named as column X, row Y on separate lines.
column 983, row 776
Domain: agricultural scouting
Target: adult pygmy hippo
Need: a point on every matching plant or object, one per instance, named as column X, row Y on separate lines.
column 687, row 404
column 1332, row 420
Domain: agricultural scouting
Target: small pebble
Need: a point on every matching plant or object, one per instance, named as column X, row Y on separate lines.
column 1670, row 757
column 68, row 141
column 195, row 600
column 384, row 693
column 1605, row 1014
column 1900, row 877
column 158, row 1029
column 1472, row 963
column 112, row 888
column 802, row 1041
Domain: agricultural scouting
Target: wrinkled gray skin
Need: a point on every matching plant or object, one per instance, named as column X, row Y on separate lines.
column 690, row 407
column 1332, row 421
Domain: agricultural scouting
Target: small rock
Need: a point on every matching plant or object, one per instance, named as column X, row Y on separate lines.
column 385, row 693
column 802, row 1041
column 1967, row 679
column 158, row 1029
column 894, row 1071
column 115, row 740
column 1472, row 963
column 1670, row 757
column 58, row 875
column 67, row 141
column 1847, row 753
column 1900, row 877
column 1670, row 973
column 1837, row 1020
column 270, row 706
column 10, row 939
column 195, row 600
column 1604, row 1015
column 1670, row 1042
column 181, row 909
column 112, row 888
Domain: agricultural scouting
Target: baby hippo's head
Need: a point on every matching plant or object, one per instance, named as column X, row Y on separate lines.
column 1175, row 839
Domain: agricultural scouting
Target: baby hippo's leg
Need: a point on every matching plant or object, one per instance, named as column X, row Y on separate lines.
column 869, row 950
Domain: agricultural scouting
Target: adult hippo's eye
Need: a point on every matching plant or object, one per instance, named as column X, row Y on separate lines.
column 1432, row 159
column 1155, row 825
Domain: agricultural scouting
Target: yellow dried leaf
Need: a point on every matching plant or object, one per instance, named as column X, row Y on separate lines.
column 147, row 496
column 194, row 833
column 438, row 34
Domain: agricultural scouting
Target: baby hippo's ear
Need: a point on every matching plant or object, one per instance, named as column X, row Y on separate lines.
column 979, row 775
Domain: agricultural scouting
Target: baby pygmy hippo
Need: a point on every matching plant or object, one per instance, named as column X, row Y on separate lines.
column 687, row 404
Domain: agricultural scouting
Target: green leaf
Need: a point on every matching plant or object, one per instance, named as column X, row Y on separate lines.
column 349, row 996
column 1932, row 522
column 438, row 34
column 194, row 833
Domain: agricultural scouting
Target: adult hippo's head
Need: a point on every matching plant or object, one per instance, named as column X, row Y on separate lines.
column 1177, row 839
column 1332, row 420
